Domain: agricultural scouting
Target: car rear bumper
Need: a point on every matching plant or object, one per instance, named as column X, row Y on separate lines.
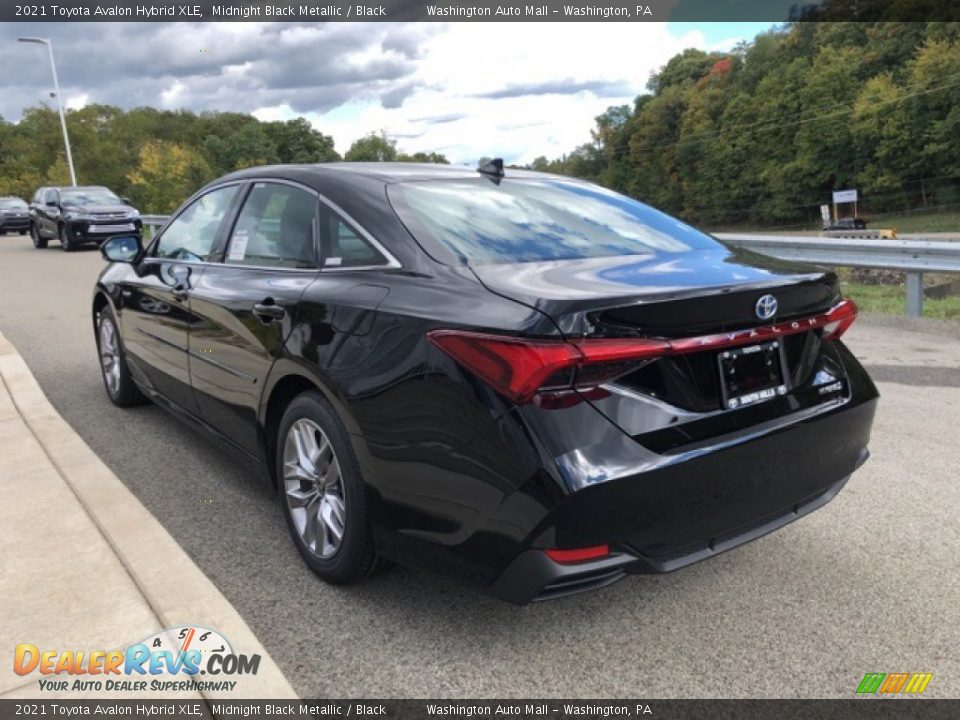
column 534, row 577
column 663, row 519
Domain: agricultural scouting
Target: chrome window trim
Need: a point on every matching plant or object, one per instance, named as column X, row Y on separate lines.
column 392, row 262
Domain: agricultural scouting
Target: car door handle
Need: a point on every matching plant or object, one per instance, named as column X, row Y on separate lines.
column 269, row 311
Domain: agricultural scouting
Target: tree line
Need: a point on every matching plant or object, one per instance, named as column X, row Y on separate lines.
column 764, row 133
column 159, row 157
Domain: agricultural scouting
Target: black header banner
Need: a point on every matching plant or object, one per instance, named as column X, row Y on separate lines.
column 476, row 10
column 506, row 709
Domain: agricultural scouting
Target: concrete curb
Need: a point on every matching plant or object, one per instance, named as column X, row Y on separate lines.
column 171, row 584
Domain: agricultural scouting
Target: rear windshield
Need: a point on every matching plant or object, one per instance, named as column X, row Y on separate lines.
column 527, row 220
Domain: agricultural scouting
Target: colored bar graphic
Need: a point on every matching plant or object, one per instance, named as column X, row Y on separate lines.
column 870, row 683
column 918, row 682
column 894, row 683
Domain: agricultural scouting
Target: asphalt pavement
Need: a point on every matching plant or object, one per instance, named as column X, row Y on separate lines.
column 869, row 583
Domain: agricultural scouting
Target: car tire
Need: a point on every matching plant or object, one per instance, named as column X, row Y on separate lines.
column 322, row 492
column 67, row 241
column 38, row 242
column 117, row 381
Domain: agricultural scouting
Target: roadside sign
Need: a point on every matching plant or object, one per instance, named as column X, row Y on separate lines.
column 844, row 196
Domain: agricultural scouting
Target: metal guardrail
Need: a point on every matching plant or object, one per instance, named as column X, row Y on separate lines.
column 914, row 257
column 153, row 222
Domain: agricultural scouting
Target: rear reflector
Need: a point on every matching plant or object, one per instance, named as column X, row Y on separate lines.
column 594, row 552
column 519, row 368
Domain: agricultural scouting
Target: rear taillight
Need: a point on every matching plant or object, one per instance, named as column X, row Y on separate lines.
column 519, row 368
column 839, row 319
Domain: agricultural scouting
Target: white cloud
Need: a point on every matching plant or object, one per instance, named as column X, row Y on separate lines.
column 517, row 90
column 468, row 61
column 76, row 102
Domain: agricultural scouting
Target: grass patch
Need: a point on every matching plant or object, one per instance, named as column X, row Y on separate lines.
column 947, row 221
column 892, row 300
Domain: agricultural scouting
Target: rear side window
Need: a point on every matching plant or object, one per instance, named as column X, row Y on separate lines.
column 276, row 227
column 344, row 246
column 530, row 220
column 192, row 235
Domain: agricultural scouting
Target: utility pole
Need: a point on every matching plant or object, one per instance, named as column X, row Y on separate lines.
column 56, row 89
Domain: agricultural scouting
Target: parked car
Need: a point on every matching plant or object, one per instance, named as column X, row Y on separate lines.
column 847, row 224
column 529, row 382
column 79, row 215
column 14, row 215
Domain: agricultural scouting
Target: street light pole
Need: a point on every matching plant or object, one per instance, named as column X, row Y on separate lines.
column 56, row 89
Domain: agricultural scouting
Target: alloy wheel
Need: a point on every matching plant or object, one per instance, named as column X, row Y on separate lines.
column 110, row 356
column 313, row 487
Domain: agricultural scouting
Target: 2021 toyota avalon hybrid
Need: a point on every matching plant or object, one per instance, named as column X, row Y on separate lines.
column 526, row 381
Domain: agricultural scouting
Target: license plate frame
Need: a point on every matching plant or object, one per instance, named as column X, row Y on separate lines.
column 762, row 374
column 112, row 228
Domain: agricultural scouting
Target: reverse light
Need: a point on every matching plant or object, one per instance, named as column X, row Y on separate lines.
column 594, row 552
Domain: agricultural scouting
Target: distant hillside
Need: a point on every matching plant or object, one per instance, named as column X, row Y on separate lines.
column 764, row 134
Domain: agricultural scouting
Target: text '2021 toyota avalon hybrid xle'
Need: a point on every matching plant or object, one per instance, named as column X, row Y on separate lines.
column 526, row 381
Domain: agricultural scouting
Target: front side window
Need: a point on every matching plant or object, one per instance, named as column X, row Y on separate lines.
column 275, row 228
column 531, row 220
column 192, row 235
column 51, row 196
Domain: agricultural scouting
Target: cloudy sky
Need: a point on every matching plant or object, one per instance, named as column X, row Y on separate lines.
column 516, row 90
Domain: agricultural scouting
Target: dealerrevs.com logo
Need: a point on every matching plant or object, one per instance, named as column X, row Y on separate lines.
column 177, row 659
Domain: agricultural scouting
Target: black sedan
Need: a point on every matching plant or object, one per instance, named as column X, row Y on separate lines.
column 526, row 381
column 79, row 215
column 14, row 215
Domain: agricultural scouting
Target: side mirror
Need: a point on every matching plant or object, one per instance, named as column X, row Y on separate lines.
column 51, row 203
column 122, row 248
column 126, row 201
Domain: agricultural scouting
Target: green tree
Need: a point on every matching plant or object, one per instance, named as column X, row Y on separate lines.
column 166, row 175
column 375, row 147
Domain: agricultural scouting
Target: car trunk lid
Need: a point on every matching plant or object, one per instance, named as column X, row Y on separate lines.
column 662, row 295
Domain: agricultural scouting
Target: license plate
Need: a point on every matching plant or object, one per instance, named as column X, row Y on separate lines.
column 751, row 374
column 110, row 228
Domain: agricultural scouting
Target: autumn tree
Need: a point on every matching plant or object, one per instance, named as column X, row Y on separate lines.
column 166, row 174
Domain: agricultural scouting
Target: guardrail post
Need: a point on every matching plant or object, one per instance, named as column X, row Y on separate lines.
column 915, row 294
